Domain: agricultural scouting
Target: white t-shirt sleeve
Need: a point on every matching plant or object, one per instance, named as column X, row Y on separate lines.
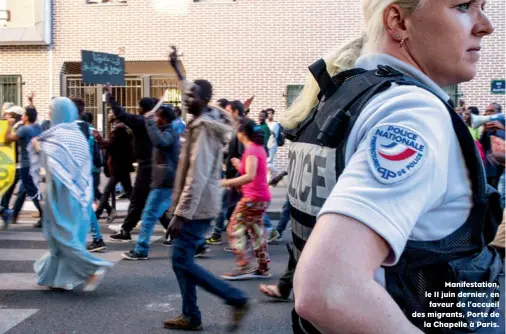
column 399, row 166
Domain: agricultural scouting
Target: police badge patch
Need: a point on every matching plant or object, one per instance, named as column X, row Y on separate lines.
column 395, row 152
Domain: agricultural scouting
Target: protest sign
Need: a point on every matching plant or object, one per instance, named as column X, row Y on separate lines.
column 102, row 68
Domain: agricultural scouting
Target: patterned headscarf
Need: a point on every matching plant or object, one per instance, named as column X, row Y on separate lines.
column 66, row 150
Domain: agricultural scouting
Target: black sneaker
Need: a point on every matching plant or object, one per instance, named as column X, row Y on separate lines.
column 37, row 225
column 134, row 256
column 121, row 236
column 202, row 250
column 96, row 246
column 168, row 243
column 215, row 239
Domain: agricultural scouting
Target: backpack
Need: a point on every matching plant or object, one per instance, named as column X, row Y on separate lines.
column 280, row 138
column 87, row 131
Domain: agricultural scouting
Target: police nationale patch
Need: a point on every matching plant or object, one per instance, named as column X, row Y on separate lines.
column 395, row 152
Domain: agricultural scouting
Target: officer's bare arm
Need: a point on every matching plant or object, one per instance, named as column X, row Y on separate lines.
column 334, row 280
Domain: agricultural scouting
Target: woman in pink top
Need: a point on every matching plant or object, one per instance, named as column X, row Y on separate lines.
column 248, row 214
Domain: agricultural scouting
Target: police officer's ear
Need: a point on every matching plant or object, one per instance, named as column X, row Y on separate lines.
column 394, row 18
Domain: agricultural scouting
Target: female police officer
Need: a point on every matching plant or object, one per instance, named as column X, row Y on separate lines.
column 407, row 176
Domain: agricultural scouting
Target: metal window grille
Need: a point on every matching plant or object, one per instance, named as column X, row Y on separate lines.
column 453, row 92
column 10, row 89
column 75, row 87
column 292, row 91
column 159, row 85
column 136, row 87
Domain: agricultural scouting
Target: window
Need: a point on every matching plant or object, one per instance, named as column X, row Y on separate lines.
column 292, row 91
column 10, row 89
column 453, row 92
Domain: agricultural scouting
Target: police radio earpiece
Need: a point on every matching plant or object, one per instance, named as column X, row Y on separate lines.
column 477, row 121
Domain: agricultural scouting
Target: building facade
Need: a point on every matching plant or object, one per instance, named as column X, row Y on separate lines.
column 244, row 47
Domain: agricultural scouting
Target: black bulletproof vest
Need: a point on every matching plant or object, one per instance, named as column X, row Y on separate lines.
column 316, row 160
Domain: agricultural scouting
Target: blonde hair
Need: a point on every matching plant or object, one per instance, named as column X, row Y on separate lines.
column 345, row 56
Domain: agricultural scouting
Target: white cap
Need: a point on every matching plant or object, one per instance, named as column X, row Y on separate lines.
column 7, row 105
column 16, row 110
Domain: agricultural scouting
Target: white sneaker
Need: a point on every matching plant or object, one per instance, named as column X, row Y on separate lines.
column 115, row 227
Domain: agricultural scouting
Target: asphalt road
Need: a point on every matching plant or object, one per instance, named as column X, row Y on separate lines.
column 135, row 297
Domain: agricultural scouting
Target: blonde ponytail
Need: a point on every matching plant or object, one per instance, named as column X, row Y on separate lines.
column 341, row 59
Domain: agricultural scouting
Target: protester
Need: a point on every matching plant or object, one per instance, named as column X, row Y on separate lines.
column 222, row 103
column 95, row 152
column 23, row 136
column 493, row 169
column 376, row 250
column 5, row 107
column 196, row 204
column 118, row 149
column 143, row 152
column 63, row 152
column 98, row 243
column 234, row 151
column 14, row 112
column 276, row 234
column 166, row 149
column 272, row 143
column 178, row 124
column 262, row 118
column 248, row 214
column 475, row 132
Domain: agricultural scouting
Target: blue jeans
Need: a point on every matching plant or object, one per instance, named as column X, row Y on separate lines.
column 189, row 274
column 219, row 223
column 501, row 189
column 95, row 229
column 158, row 202
column 285, row 217
column 30, row 189
column 267, row 221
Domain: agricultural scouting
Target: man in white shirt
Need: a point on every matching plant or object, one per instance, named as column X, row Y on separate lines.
column 272, row 144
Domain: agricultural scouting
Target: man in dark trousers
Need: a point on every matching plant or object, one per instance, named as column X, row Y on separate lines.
column 196, row 204
column 143, row 152
column 23, row 136
column 118, row 166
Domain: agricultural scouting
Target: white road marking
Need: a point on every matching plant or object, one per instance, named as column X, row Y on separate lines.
column 11, row 317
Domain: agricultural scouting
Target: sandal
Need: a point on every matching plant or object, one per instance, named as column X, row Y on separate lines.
column 272, row 292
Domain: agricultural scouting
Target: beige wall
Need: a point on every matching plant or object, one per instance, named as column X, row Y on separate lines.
column 492, row 65
column 244, row 48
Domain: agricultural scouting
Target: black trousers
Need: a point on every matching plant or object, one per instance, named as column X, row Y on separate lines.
column 6, row 198
column 285, row 283
column 96, row 183
column 138, row 198
column 110, row 188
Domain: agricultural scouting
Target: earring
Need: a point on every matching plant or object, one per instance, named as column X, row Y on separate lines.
column 401, row 44
column 398, row 36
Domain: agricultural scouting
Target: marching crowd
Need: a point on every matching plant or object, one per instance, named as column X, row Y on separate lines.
column 392, row 189
column 180, row 170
